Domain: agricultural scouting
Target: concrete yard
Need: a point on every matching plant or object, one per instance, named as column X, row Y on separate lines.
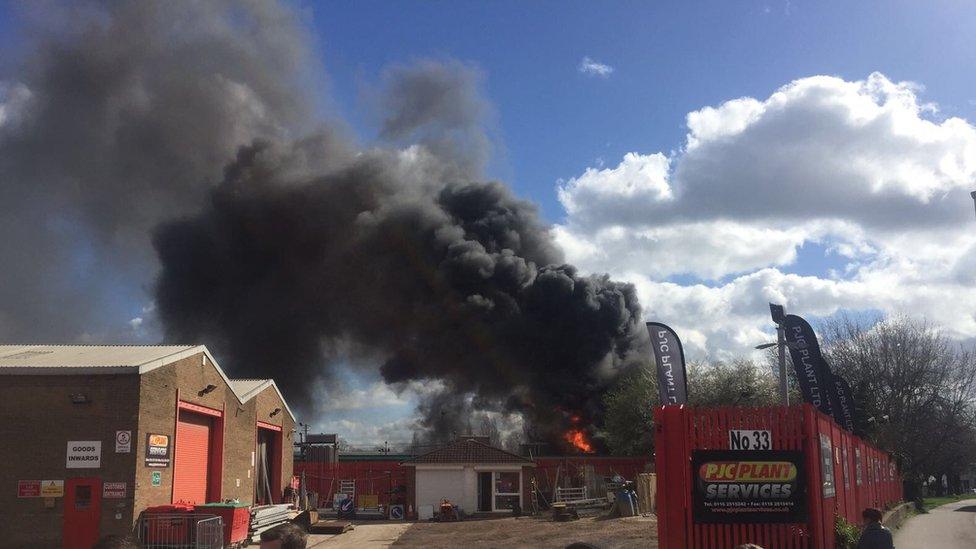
column 366, row 535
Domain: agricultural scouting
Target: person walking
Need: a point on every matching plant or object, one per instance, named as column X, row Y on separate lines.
column 874, row 536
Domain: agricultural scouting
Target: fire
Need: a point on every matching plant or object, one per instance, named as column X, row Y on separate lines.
column 577, row 438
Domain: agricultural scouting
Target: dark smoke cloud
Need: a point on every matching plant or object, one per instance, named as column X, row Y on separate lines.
column 120, row 115
column 444, row 277
column 450, row 280
column 284, row 246
column 438, row 105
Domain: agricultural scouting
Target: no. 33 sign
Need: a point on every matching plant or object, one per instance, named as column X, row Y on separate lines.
column 740, row 439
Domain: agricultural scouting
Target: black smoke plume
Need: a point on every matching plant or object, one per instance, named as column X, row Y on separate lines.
column 115, row 116
column 404, row 253
column 448, row 280
column 283, row 245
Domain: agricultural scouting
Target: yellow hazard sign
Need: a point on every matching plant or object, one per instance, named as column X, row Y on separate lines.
column 52, row 488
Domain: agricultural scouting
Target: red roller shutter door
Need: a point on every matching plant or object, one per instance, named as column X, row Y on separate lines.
column 192, row 470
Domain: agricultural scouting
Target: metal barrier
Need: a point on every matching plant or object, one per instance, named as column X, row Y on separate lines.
column 570, row 494
column 180, row 531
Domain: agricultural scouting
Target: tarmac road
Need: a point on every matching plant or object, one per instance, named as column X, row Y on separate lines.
column 951, row 526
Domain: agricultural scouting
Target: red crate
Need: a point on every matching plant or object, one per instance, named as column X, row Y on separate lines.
column 236, row 517
column 168, row 524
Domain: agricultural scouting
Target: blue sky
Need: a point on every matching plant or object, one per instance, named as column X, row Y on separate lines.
column 669, row 58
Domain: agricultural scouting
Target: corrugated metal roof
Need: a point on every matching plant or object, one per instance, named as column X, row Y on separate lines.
column 85, row 356
column 245, row 387
column 248, row 388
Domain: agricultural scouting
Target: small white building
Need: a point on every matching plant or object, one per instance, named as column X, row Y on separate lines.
column 470, row 474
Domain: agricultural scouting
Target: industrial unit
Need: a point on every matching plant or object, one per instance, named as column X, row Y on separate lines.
column 470, row 474
column 93, row 435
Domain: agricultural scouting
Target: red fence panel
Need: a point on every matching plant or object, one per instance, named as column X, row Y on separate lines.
column 372, row 477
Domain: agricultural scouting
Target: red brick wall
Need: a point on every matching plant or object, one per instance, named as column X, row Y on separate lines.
column 38, row 420
column 189, row 376
column 184, row 380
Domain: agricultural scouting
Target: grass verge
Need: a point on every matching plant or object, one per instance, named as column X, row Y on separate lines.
column 931, row 503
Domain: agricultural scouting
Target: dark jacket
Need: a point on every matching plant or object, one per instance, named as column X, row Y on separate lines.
column 875, row 536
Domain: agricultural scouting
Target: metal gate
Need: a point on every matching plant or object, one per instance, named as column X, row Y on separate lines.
column 180, row 531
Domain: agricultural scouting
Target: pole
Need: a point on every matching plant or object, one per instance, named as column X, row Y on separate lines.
column 784, row 386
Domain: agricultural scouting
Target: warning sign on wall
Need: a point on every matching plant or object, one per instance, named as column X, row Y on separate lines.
column 113, row 490
column 123, row 442
column 28, row 488
column 52, row 488
column 84, row 454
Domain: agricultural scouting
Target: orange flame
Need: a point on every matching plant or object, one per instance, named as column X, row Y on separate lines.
column 577, row 438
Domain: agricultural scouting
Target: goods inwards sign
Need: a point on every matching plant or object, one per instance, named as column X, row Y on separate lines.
column 748, row 486
column 84, row 454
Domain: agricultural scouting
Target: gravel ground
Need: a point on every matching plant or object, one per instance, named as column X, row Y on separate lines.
column 614, row 533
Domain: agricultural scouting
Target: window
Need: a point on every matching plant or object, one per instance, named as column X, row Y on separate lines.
column 83, row 496
column 827, row 466
column 507, row 488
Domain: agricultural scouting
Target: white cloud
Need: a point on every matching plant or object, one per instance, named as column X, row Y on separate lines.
column 863, row 168
column 367, row 434
column 13, row 99
column 591, row 67
column 377, row 394
column 637, row 177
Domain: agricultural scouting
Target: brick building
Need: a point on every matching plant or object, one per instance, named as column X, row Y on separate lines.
column 95, row 434
column 472, row 475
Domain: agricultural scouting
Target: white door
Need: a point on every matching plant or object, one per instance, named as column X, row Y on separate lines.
column 436, row 485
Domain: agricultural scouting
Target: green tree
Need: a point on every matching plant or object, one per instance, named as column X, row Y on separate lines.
column 914, row 390
column 629, row 417
column 629, row 420
column 738, row 382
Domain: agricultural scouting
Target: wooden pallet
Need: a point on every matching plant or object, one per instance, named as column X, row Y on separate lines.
column 332, row 527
